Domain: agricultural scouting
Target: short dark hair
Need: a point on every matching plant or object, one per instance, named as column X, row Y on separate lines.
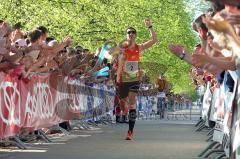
column 86, row 50
column 34, row 35
column 199, row 23
column 217, row 6
column 43, row 29
column 17, row 25
column 79, row 48
column 27, row 41
column 198, row 45
column 131, row 28
column 48, row 39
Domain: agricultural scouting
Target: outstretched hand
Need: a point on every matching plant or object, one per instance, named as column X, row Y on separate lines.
column 176, row 49
column 203, row 61
column 219, row 25
column 200, row 60
column 233, row 19
column 4, row 28
column 147, row 22
column 68, row 40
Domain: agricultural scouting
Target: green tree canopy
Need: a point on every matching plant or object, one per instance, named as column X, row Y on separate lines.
column 90, row 23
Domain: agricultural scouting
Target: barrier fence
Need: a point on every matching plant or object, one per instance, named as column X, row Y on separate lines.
column 34, row 104
column 220, row 117
column 154, row 107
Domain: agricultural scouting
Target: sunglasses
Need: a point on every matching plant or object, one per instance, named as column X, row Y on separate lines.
column 131, row 32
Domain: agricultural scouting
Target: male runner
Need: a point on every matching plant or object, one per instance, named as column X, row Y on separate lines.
column 128, row 72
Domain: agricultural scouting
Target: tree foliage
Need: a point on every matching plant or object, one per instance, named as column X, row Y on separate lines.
column 196, row 8
column 90, row 23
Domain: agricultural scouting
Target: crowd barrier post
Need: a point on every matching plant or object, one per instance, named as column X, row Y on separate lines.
column 42, row 135
column 14, row 140
column 210, row 146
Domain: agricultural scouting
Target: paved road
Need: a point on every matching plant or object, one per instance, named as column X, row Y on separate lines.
column 153, row 140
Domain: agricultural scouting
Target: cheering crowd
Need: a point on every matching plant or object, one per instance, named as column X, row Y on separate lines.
column 216, row 67
column 24, row 53
column 218, row 30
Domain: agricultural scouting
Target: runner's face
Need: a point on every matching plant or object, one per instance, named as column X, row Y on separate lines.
column 131, row 34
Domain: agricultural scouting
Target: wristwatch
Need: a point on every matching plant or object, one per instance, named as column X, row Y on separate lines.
column 182, row 55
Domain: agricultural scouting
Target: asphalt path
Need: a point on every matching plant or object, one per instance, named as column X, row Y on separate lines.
column 153, row 139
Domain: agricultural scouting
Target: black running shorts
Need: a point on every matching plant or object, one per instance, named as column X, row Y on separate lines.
column 126, row 87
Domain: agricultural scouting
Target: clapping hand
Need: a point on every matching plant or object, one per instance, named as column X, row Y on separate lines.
column 176, row 49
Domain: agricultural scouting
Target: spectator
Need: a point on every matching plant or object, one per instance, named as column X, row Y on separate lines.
column 17, row 33
column 44, row 34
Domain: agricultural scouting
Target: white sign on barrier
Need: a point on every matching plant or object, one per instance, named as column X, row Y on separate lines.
column 236, row 127
column 9, row 99
column 218, row 131
column 229, row 109
column 40, row 103
column 213, row 113
column 218, row 134
column 206, row 103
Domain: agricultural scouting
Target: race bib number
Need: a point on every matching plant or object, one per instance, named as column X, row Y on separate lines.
column 131, row 66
